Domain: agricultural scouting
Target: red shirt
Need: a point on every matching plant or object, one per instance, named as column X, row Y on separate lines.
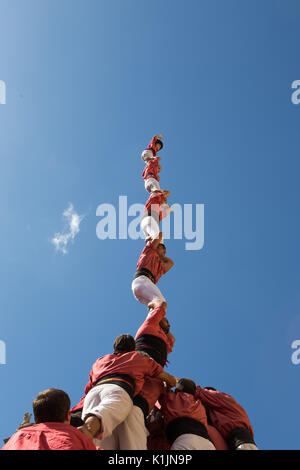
column 132, row 363
column 49, row 436
column 225, row 413
column 152, row 147
column 151, row 327
column 154, row 205
column 149, row 259
column 151, row 170
column 151, row 391
column 179, row 404
column 158, row 442
column 217, row 438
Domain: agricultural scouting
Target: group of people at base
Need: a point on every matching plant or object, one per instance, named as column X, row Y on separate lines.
column 130, row 402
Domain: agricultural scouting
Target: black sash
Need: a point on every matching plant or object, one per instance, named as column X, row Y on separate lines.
column 185, row 425
column 154, row 346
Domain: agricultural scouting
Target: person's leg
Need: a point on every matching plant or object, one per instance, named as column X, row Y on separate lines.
column 110, row 404
column 145, row 291
column 152, row 185
column 109, row 443
column 247, row 446
column 192, row 442
column 150, row 227
column 132, row 433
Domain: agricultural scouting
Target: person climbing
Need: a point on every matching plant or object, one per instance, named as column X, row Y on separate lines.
column 52, row 430
column 113, row 382
column 228, row 417
column 151, row 177
column 154, row 336
column 152, row 264
column 153, row 148
column 185, row 418
column 156, row 208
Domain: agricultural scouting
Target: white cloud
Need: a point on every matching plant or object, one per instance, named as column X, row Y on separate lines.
column 61, row 240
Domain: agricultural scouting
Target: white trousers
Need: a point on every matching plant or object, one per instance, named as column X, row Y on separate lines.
column 145, row 291
column 151, row 185
column 110, row 403
column 192, row 442
column 150, row 227
column 147, row 155
column 247, row 447
column 129, row 435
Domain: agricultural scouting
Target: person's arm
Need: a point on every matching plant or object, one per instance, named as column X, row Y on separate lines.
column 169, row 379
column 168, row 263
column 171, row 337
column 157, row 241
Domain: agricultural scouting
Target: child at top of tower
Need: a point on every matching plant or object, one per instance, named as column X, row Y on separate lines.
column 153, row 148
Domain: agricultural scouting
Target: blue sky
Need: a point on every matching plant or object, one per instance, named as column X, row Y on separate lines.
column 88, row 84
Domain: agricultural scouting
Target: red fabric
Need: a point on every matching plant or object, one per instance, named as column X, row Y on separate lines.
column 149, row 259
column 132, row 363
column 151, row 391
column 158, row 442
column 151, row 327
column 225, row 413
column 151, row 170
column 217, row 438
column 154, row 205
column 179, row 404
column 152, row 147
column 49, row 436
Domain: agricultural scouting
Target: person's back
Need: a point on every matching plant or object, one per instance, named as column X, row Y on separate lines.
column 52, row 430
column 49, row 436
column 185, row 418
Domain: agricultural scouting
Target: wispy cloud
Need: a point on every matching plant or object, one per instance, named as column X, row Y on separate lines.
column 61, row 240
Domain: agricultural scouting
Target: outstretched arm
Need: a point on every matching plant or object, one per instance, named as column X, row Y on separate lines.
column 169, row 379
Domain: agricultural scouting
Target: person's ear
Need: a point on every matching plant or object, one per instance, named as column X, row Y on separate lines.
column 68, row 417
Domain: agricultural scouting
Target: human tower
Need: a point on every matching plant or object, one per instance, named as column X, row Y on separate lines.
column 129, row 403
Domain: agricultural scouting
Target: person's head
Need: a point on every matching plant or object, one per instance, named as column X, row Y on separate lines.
column 158, row 145
column 165, row 325
column 124, row 344
column 161, row 250
column 52, row 405
column 186, row 386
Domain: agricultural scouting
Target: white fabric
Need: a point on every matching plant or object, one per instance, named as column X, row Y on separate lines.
column 110, row 403
column 150, row 227
column 151, row 185
column 145, row 291
column 129, row 435
column 247, row 447
column 192, row 442
column 147, row 155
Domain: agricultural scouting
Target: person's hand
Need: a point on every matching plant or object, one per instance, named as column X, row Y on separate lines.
column 158, row 136
column 85, row 431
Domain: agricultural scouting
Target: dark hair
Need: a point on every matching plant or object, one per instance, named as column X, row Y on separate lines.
column 51, row 405
column 186, row 386
column 123, row 344
column 162, row 244
column 158, row 141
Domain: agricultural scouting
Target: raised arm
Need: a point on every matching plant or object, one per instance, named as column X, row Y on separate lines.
column 157, row 241
column 168, row 263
